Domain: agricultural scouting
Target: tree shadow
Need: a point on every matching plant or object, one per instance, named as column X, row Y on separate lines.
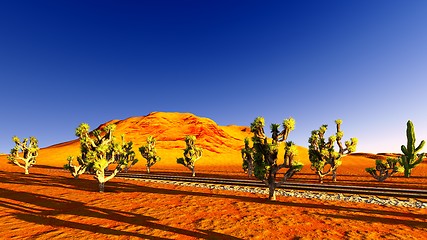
column 38, row 179
column 47, row 167
column 382, row 219
column 46, row 208
column 60, row 205
column 320, row 206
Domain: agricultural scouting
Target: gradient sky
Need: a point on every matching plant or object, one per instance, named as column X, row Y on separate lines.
column 67, row 62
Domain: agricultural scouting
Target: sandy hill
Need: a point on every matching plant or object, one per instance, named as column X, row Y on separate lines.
column 221, row 144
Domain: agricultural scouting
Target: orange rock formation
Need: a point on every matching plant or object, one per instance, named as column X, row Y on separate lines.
column 221, row 144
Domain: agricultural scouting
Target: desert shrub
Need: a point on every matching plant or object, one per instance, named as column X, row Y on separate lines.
column 385, row 169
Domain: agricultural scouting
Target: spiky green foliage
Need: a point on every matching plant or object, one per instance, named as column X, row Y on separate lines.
column 274, row 127
column 265, row 154
column 24, row 153
column 410, row 158
column 149, row 152
column 98, row 151
column 323, row 157
column 248, row 158
column 124, row 156
column 384, row 169
column 77, row 170
column 192, row 153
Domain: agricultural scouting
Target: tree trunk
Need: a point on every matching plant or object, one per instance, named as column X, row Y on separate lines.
column 26, row 170
column 271, row 187
column 193, row 171
column 101, row 186
column 148, row 169
column 407, row 172
column 249, row 172
column 334, row 175
column 320, row 178
column 271, row 191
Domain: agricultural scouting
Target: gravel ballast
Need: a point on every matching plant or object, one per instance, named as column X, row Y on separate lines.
column 390, row 201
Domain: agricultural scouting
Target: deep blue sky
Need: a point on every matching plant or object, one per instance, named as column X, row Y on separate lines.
column 67, row 62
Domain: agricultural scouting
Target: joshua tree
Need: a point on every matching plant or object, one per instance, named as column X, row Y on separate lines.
column 125, row 154
column 385, row 169
column 265, row 154
column 191, row 154
column 149, row 152
column 322, row 153
column 28, row 150
column 77, row 170
column 99, row 150
column 410, row 158
column 248, row 158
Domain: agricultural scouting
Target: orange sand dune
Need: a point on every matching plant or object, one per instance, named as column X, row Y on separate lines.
column 221, row 144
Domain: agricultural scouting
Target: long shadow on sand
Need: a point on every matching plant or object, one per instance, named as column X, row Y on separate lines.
column 89, row 185
column 370, row 215
column 38, row 179
column 41, row 210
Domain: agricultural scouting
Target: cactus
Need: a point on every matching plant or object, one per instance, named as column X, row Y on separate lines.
column 191, row 154
column 322, row 153
column 248, row 159
column 149, row 152
column 98, row 151
column 385, row 169
column 28, row 151
column 265, row 154
column 410, row 158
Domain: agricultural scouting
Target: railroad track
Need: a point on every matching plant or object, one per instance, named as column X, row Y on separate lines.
column 417, row 194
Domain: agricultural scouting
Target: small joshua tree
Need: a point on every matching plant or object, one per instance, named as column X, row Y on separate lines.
column 99, row 150
column 410, row 158
column 191, row 154
column 385, row 169
column 265, row 154
column 248, row 158
column 77, row 170
column 322, row 153
column 125, row 155
column 149, row 152
column 24, row 153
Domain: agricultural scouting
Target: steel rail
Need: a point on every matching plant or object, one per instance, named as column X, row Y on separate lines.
column 328, row 188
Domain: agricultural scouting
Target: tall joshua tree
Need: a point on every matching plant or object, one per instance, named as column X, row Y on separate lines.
column 266, row 164
column 149, row 152
column 99, row 150
column 410, row 158
column 191, row 154
column 24, row 153
column 248, row 158
column 322, row 152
